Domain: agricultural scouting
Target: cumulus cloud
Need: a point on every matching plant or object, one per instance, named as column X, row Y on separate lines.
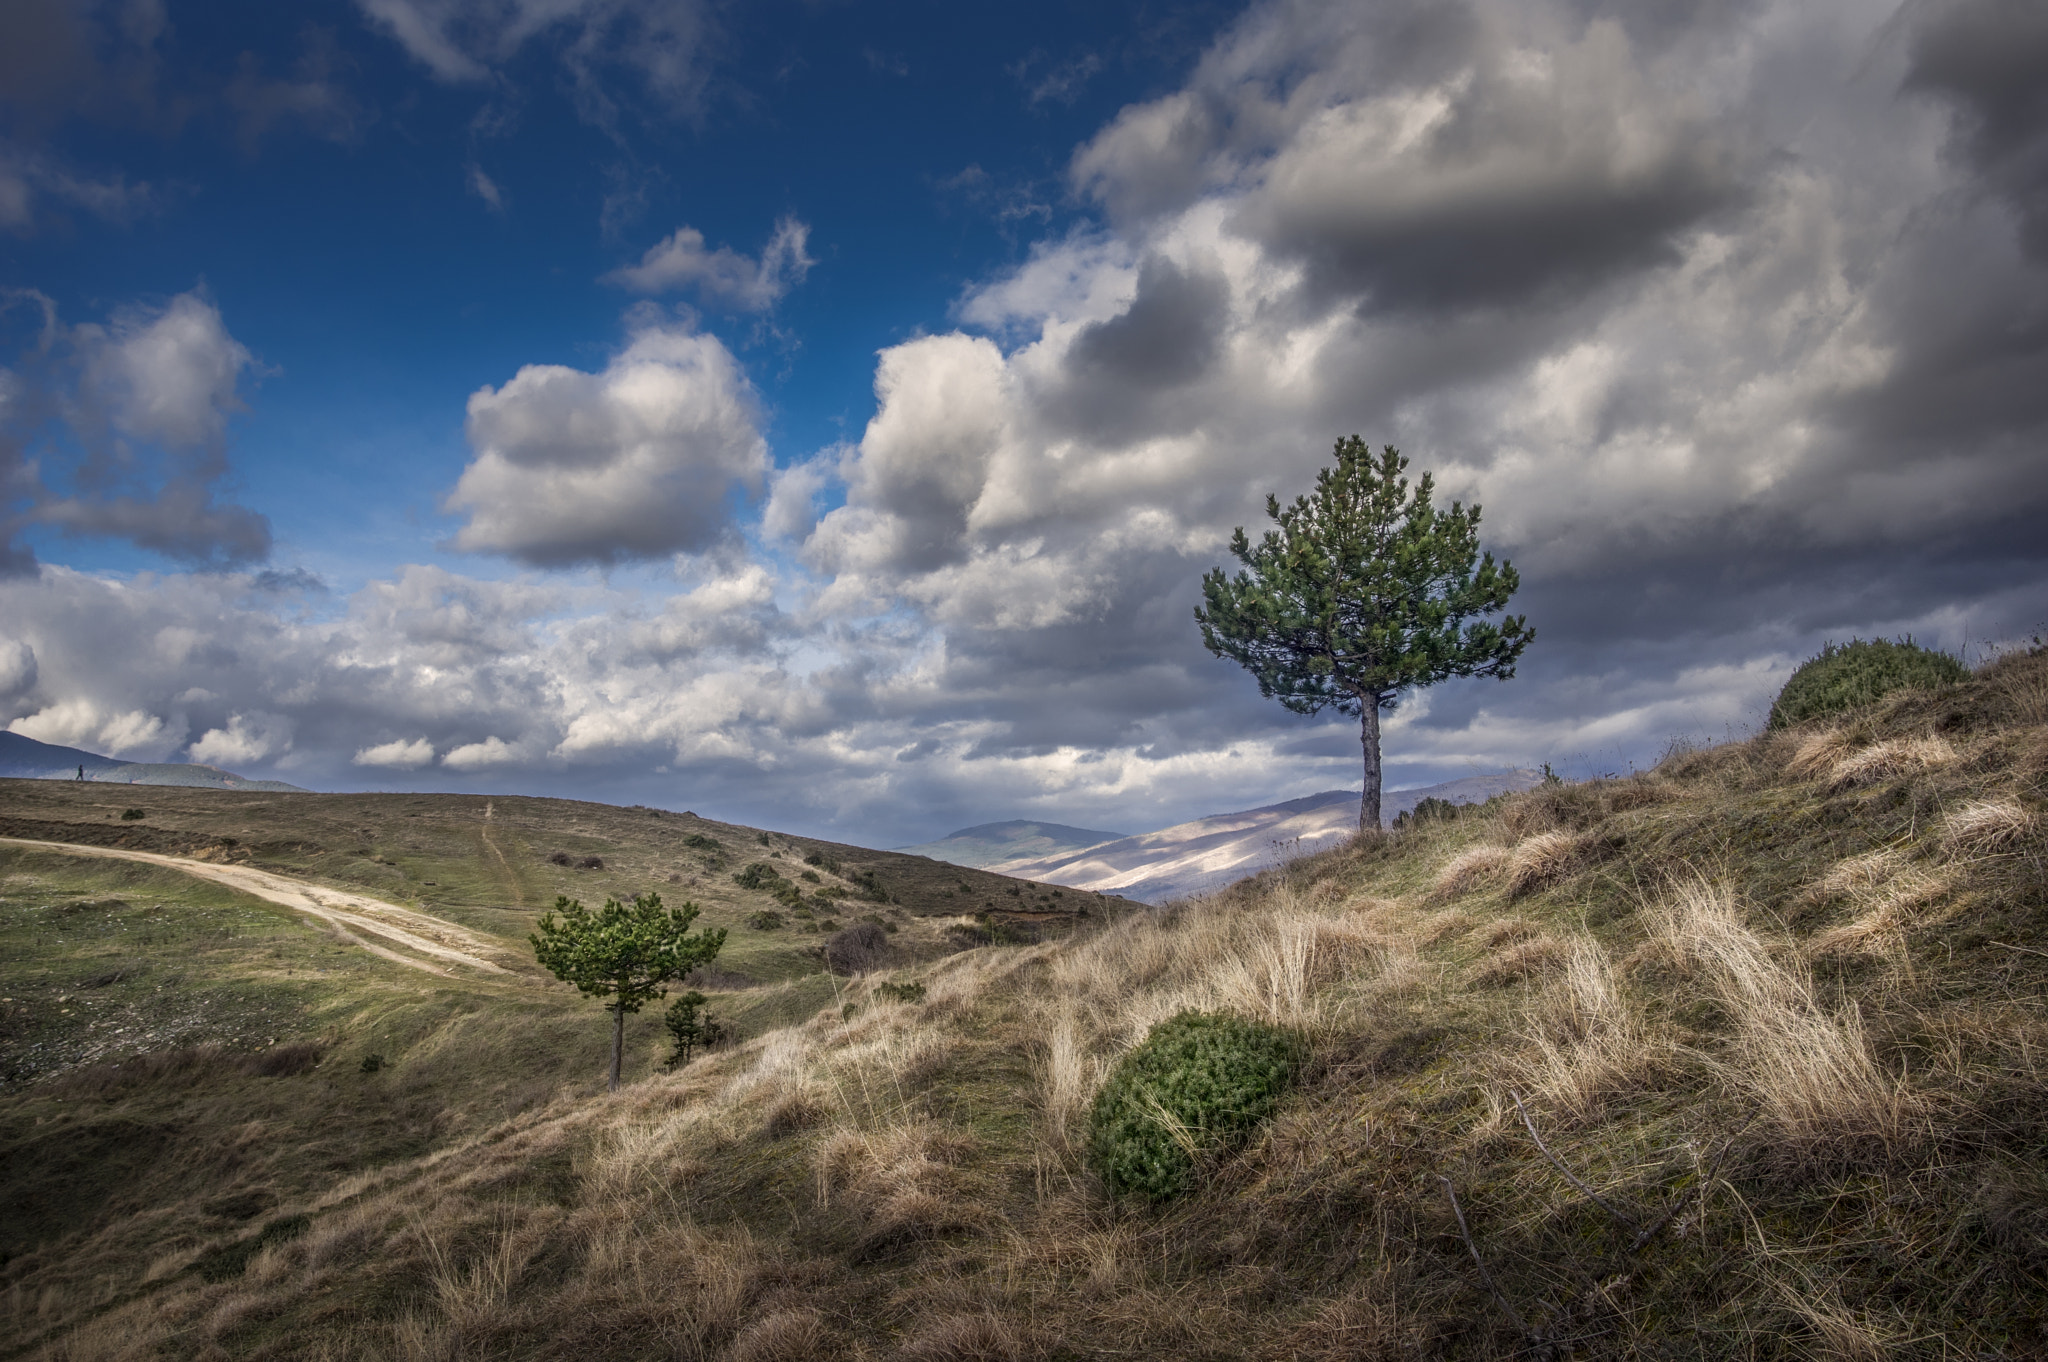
column 121, row 430
column 17, row 668
column 80, row 722
column 724, row 277
column 638, row 461
column 399, row 754
column 477, row 756
column 245, row 738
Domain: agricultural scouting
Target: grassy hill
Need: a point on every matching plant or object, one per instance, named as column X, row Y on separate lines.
column 1742, row 1057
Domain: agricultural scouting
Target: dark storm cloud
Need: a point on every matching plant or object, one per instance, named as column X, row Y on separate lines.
column 1164, row 339
column 1990, row 59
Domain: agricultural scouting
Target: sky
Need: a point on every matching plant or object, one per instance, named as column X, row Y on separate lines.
column 820, row 415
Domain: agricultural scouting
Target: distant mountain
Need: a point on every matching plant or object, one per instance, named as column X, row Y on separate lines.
column 1209, row 853
column 989, row 843
column 26, row 759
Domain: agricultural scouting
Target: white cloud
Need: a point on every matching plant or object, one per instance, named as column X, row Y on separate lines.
column 17, row 668
column 246, row 738
column 168, row 376
column 486, row 188
column 79, row 722
column 639, row 461
column 477, row 756
column 147, row 399
column 399, row 753
column 722, row 277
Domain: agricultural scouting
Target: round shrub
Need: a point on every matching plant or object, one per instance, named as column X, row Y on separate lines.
column 1860, row 672
column 1200, row 1081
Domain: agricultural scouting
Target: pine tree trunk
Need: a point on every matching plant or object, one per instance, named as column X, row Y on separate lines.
column 1369, row 738
column 618, row 1041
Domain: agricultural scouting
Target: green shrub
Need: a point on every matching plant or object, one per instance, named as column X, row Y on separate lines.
column 764, row 920
column 1199, row 1082
column 132, row 814
column 1860, row 672
column 758, row 875
column 701, row 842
column 902, row 993
column 1430, row 810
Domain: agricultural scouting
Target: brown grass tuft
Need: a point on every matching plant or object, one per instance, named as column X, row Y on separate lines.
column 1540, row 861
column 1469, row 868
column 965, row 1338
column 1811, row 1073
column 793, row 1112
column 786, row 1336
column 1590, row 1042
column 1889, row 760
column 1818, row 752
column 2019, row 681
column 1987, row 826
column 1523, row 960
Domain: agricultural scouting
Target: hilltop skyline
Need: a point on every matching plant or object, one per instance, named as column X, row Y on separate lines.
column 821, row 416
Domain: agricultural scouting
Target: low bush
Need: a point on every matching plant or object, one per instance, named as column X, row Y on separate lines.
column 129, row 815
column 765, row 920
column 756, row 875
column 591, row 863
column 857, row 949
column 559, row 858
column 900, row 993
column 1860, row 672
column 1430, row 810
column 1198, row 1083
column 701, row 842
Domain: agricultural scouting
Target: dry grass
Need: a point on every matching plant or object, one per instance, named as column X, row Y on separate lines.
column 1889, row 760
column 797, row 1335
column 1590, row 1042
column 2020, row 681
column 1471, row 868
column 1519, row 961
column 1890, row 896
column 1810, row 1071
column 1820, row 752
column 1987, row 826
column 1541, row 860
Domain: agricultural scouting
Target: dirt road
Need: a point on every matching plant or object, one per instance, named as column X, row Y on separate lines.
column 402, row 935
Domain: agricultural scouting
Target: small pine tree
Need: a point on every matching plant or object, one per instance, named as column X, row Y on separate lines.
column 1361, row 594
column 625, row 953
column 691, row 1027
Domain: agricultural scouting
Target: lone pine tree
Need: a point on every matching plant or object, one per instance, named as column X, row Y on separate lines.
column 626, row 953
column 1363, row 592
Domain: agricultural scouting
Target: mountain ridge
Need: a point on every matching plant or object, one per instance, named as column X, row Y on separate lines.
column 26, row 758
column 1207, row 853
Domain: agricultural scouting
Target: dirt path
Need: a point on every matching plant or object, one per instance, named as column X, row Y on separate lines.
column 511, row 879
column 402, row 935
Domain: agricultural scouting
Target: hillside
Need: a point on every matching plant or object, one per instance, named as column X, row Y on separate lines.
column 1208, row 853
column 989, row 844
column 1738, row 1058
column 26, row 759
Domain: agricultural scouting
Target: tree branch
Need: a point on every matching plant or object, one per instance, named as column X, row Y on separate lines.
column 1473, row 1249
column 1558, row 1164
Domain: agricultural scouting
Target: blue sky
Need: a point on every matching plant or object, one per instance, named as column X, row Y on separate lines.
column 820, row 414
